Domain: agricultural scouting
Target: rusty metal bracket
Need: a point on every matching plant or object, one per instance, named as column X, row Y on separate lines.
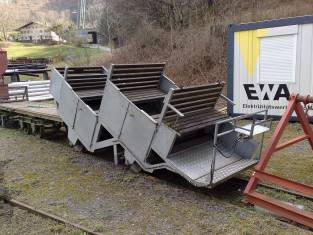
column 278, row 207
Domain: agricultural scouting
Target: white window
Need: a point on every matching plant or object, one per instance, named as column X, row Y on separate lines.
column 277, row 62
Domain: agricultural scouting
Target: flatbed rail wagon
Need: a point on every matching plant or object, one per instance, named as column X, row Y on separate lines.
column 32, row 117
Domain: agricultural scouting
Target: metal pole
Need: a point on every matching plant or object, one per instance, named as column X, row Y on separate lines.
column 78, row 15
column 82, row 13
column 214, row 152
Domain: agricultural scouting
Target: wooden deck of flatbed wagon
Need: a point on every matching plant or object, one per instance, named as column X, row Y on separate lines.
column 45, row 110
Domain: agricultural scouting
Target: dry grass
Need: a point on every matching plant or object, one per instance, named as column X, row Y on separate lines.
column 91, row 191
column 197, row 54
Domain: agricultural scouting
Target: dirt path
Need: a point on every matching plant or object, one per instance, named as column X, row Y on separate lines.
column 92, row 191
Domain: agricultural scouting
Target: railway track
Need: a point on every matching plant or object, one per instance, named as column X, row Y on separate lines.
column 238, row 183
column 244, row 182
column 41, row 213
column 235, row 182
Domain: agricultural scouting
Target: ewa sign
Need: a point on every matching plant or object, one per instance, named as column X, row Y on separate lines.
column 266, row 91
column 268, row 61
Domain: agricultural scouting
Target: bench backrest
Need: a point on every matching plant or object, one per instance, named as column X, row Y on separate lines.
column 193, row 100
column 26, row 60
column 129, row 77
column 85, row 78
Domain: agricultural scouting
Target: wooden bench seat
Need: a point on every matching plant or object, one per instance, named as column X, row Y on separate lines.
column 90, row 94
column 197, row 105
column 145, row 95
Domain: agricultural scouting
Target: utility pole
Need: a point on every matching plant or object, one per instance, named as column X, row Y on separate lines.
column 81, row 14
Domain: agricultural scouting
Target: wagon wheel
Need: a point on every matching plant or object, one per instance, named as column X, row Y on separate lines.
column 39, row 132
column 27, row 129
column 21, row 124
column 57, row 127
column 4, row 121
column 33, row 127
column 1, row 121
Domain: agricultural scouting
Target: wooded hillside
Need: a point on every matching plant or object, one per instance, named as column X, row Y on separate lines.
column 191, row 35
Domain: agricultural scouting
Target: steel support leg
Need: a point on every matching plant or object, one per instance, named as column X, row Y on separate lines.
column 115, row 154
column 273, row 205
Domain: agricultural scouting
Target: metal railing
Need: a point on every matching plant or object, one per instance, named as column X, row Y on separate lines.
column 235, row 127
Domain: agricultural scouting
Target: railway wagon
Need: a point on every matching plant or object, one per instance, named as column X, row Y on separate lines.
column 158, row 124
column 180, row 131
column 78, row 93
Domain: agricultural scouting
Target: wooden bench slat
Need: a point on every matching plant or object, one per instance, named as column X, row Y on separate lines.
column 138, row 70
column 132, row 84
column 139, row 65
column 135, row 75
column 197, row 104
column 138, row 87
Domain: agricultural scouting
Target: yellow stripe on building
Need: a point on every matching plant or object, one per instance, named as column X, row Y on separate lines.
column 249, row 44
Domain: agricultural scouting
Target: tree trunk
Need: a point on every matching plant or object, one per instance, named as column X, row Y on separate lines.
column 4, row 34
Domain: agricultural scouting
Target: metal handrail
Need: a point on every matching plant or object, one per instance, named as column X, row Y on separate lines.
column 233, row 121
column 227, row 100
column 175, row 110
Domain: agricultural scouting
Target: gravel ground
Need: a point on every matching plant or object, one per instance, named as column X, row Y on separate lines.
column 92, row 191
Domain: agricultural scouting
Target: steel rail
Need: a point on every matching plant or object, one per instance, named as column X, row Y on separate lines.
column 46, row 215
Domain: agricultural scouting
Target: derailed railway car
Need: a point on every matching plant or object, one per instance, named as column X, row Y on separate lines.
column 162, row 126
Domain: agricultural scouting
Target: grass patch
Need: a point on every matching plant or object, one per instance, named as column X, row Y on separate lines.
column 295, row 162
column 56, row 52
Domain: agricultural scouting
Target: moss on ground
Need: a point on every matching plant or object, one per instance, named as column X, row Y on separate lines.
column 91, row 191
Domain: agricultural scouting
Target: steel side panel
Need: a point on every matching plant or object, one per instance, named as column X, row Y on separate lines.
column 166, row 84
column 85, row 124
column 137, row 132
column 67, row 105
column 163, row 141
column 113, row 110
column 56, row 84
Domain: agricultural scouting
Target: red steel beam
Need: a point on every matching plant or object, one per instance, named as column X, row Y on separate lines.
column 273, row 205
column 281, row 208
column 3, row 62
column 291, row 142
column 299, row 187
column 266, row 155
column 305, row 99
column 277, row 135
column 304, row 121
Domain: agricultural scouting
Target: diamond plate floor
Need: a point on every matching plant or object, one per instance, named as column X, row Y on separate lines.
column 195, row 162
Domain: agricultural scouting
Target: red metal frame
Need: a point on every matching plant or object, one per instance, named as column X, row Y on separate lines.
column 278, row 207
column 4, row 90
column 3, row 62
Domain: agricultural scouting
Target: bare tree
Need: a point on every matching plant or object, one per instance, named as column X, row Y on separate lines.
column 6, row 22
